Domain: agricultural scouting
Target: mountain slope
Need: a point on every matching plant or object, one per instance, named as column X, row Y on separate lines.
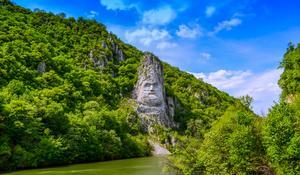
column 240, row 142
column 282, row 129
column 66, row 92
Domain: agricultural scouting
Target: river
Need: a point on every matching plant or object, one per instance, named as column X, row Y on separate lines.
column 136, row 166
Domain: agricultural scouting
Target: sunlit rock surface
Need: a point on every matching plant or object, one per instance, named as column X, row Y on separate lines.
column 150, row 95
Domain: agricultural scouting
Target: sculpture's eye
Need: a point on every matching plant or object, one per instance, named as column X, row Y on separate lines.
column 147, row 85
column 154, row 84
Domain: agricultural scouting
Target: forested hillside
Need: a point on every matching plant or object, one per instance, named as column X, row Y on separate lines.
column 242, row 143
column 282, row 129
column 66, row 97
column 65, row 93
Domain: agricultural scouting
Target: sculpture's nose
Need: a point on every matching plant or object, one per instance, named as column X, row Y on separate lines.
column 151, row 87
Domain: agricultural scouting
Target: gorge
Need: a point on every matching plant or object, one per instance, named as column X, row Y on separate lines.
column 71, row 92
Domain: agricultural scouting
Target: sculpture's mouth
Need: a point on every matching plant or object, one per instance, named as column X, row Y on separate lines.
column 154, row 101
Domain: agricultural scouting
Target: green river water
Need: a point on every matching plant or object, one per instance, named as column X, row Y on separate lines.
column 137, row 166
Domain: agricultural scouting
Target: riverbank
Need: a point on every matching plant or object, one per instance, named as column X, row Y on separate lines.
column 158, row 150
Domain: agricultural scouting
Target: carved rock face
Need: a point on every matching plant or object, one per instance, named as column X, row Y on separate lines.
column 150, row 95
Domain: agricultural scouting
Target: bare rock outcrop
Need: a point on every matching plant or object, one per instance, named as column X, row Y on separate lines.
column 150, row 95
column 41, row 67
column 118, row 52
column 290, row 98
column 158, row 149
column 100, row 55
column 98, row 58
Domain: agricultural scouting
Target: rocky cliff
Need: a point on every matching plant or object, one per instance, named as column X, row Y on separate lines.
column 69, row 82
column 154, row 107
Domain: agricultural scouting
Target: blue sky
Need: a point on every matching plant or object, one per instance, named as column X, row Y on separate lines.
column 236, row 45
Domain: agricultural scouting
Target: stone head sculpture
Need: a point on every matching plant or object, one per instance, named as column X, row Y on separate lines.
column 150, row 90
column 150, row 95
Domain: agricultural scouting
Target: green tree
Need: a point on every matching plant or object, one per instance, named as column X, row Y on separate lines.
column 281, row 136
column 247, row 101
column 282, row 129
column 233, row 145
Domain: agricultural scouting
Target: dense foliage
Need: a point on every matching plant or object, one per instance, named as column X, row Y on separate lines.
column 240, row 142
column 282, row 129
column 65, row 89
column 233, row 145
column 199, row 103
column 72, row 111
column 65, row 97
column 290, row 78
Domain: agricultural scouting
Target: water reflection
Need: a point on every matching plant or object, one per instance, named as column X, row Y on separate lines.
column 137, row 166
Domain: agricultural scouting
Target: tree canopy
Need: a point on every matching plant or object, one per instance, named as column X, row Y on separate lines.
column 65, row 92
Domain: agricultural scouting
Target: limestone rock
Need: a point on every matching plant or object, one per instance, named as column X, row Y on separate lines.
column 150, row 95
column 103, row 44
column 98, row 58
column 118, row 52
column 120, row 55
column 171, row 105
column 41, row 67
column 158, row 150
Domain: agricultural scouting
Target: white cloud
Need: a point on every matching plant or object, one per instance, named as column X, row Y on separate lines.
column 187, row 32
column 92, row 14
column 146, row 36
column 160, row 16
column 116, row 5
column 165, row 45
column 210, row 10
column 261, row 86
column 227, row 25
column 224, row 79
column 205, row 56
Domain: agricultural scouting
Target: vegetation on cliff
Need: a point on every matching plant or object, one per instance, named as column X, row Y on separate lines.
column 65, row 92
column 66, row 97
